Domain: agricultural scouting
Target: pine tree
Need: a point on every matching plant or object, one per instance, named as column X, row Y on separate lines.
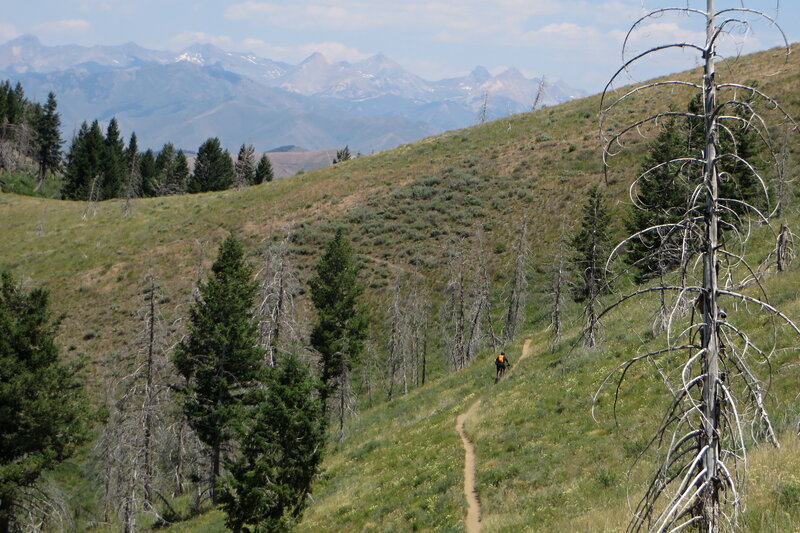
column 591, row 245
column 281, row 442
column 246, row 166
column 15, row 104
column 43, row 413
column 163, row 176
column 220, row 358
column 48, row 138
column 5, row 88
column 149, row 173
column 264, row 171
column 663, row 194
column 739, row 141
column 113, row 162
column 342, row 320
column 213, row 170
column 84, row 170
column 133, row 175
column 180, row 173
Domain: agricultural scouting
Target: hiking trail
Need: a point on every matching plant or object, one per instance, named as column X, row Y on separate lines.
column 473, row 520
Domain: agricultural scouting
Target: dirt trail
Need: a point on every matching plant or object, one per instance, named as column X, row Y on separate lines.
column 473, row 520
column 526, row 349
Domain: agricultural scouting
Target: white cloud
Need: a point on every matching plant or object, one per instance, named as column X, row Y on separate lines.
column 467, row 15
column 63, row 26
column 7, row 32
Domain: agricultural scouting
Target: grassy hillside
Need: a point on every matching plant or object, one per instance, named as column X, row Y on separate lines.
column 543, row 463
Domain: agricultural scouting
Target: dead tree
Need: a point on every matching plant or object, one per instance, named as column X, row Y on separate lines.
column 466, row 315
column 539, row 93
column 419, row 309
column 519, row 285
column 783, row 172
column 783, row 248
column 90, row 211
column 455, row 313
column 407, row 320
column 398, row 338
column 483, row 113
column 559, row 285
column 483, row 327
column 129, row 444
column 278, row 327
column 701, row 439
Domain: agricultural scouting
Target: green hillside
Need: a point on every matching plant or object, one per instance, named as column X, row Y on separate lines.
column 543, row 462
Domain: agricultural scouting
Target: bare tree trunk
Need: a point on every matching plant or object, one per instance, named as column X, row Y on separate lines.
column 709, row 437
column 148, row 407
column 557, row 293
column 519, row 284
column 539, row 93
column 179, row 488
column 782, row 248
column 483, row 114
column 277, row 322
column 396, row 337
column 216, row 459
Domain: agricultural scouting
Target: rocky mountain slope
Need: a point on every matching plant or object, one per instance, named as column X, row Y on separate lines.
column 185, row 97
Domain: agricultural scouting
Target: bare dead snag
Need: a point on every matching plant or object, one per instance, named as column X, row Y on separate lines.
column 701, row 441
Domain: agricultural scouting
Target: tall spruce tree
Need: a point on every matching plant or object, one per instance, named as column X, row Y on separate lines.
column 213, row 170
column 113, row 158
column 342, row 320
column 662, row 198
column 149, row 173
column 132, row 187
column 43, row 413
column 264, row 171
column 739, row 142
column 591, row 245
column 48, row 138
column 84, row 171
column 220, row 358
column 180, row 173
column 281, row 442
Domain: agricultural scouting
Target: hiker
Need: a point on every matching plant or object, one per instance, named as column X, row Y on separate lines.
column 501, row 363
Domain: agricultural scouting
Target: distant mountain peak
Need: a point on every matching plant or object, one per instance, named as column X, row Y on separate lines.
column 379, row 61
column 511, row 74
column 479, row 73
column 190, row 57
column 315, row 59
column 26, row 40
column 201, row 91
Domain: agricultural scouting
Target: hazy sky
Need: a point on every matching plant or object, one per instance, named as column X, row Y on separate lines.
column 577, row 41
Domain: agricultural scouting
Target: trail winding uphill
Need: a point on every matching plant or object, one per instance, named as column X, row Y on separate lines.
column 473, row 519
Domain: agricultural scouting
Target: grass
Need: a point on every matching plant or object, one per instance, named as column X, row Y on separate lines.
column 543, row 462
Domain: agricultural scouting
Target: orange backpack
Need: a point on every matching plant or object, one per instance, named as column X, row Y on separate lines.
column 501, row 358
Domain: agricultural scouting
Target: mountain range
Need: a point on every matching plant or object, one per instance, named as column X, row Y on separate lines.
column 203, row 91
